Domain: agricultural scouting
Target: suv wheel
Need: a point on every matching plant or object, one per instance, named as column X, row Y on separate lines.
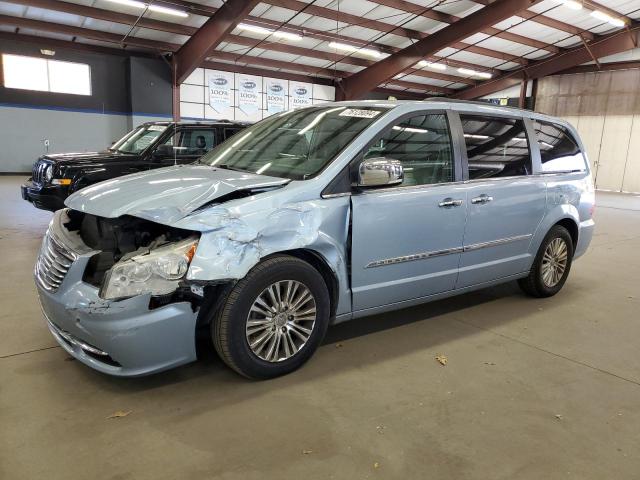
column 274, row 319
column 551, row 266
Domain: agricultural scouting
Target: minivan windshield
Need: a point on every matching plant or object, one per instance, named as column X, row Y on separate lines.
column 138, row 139
column 295, row 144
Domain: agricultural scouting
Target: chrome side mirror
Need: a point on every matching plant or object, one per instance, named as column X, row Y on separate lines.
column 380, row 171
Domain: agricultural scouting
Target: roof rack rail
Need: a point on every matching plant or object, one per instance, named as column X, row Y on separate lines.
column 470, row 102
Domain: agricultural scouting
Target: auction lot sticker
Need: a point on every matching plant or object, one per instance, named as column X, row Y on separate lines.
column 354, row 112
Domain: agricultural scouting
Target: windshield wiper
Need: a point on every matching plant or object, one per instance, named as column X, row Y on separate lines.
column 227, row 167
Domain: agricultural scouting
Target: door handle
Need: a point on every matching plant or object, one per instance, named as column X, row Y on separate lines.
column 449, row 202
column 482, row 199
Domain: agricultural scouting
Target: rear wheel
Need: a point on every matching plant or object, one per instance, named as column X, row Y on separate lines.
column 273, row 319
column 551, row 266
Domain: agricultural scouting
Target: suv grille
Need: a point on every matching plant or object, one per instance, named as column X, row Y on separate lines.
column 37, row 174
column 53, row 263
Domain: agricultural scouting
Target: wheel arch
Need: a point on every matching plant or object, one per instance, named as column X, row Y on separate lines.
column 572, row 227
column 317, row 261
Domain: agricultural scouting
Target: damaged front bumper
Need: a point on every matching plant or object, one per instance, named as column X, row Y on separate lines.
column 120, row 337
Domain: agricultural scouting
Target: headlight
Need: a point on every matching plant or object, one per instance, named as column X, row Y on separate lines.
column 157, row 272
column 48, row 173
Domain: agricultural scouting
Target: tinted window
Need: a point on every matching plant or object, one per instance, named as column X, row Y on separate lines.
column 230, row 132
column 496, row 147
column 559, row 152
column 192, row 142
column 423, row 145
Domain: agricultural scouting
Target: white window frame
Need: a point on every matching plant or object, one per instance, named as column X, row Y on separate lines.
column 47, row 63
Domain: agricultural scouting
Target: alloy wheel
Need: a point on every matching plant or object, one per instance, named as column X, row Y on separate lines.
column 554, row 262
column 281, row 320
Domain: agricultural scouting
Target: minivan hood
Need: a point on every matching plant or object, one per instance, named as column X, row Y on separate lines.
column 165, row 195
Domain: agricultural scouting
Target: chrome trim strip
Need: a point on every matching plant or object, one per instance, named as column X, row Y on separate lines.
column 414, row 257
column 447, row 251
column 75, row 341
column 493, row 243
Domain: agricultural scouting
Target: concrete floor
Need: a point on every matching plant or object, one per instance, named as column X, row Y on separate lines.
column 533, row 388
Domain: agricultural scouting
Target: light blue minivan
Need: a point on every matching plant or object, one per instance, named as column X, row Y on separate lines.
column 311, row 217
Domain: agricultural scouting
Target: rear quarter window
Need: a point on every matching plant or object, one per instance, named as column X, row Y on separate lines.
column 559, row 151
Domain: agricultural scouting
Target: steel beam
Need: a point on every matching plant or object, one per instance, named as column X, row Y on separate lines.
column 548, row 21
column 619, row 41
column 87, row 33
column 297, row 5
column 443, row 17
column 359, row 83
column 604, row 67
column 214, row 31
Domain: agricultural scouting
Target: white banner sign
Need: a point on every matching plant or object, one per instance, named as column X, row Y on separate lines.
column 220, row 90
column 276, row 93
column 300, row 94
column 248, row 92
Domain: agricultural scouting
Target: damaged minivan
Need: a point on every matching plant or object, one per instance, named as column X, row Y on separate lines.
column 312, row 217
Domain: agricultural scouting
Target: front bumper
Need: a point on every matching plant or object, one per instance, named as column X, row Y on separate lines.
column 44, row 197
column 122, row 338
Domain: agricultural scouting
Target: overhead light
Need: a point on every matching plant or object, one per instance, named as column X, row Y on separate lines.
column 48, row 53
column 435, row 66
column 152, row 7
column 476, row 137
column 168, row 11
column 268, row 31
column 129, row 3
column 605, row 17
column 287, row 35
column 572, row 4
column 410, row 129
column 352, row 48
column 468, row 71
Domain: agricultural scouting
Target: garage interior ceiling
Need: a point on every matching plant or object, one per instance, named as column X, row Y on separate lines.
column 460, row 47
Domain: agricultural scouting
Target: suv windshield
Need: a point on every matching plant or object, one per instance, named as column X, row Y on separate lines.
column 295, row 144
column 138, row 139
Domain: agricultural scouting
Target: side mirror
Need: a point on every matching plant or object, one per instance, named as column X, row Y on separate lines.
column 163, row 151
column 380, row 171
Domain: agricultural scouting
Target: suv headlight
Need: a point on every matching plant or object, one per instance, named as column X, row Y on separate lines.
column 157, row 272
column 48, row 173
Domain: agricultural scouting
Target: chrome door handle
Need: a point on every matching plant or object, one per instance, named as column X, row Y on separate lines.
column 481, row 199
column 450, row 202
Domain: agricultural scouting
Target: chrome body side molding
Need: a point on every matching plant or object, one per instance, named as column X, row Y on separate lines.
column 448, row 251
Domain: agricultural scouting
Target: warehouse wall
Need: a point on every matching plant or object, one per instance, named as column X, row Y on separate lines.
column 605, row 108
column 76, row 123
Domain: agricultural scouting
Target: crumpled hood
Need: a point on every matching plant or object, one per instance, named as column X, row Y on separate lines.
column 167, row 194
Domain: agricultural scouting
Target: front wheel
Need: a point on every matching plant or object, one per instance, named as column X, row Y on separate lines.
column 273, row 319
column 551, row 266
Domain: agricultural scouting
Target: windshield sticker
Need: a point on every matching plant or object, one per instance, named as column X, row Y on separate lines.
column 354, row 112
column 157, row 128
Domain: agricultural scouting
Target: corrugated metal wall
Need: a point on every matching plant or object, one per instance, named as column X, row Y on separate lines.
column 605, row 108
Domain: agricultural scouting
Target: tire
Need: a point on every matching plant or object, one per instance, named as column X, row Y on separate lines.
column 285, row 276
column 540, row 283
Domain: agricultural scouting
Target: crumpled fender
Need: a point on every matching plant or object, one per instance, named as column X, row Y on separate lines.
column 236, row 235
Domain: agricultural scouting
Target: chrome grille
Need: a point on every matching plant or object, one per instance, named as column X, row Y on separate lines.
column 37, row 174
column 53, row 263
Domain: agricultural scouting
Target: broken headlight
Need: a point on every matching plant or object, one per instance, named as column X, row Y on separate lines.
column 157, row 271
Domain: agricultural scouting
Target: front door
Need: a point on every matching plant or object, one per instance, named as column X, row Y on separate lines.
column 505, row 203
column 407, row 240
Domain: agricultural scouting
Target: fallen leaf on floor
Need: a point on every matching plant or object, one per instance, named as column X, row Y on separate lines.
column 307, row 452
column 119, row 414
column 376, row 465
column 558, row 416
column 489, row 363
column 442, row 359
column 338, row 345
column 380, row 428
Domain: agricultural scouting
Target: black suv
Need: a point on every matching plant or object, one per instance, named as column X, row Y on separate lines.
column 151, row 145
